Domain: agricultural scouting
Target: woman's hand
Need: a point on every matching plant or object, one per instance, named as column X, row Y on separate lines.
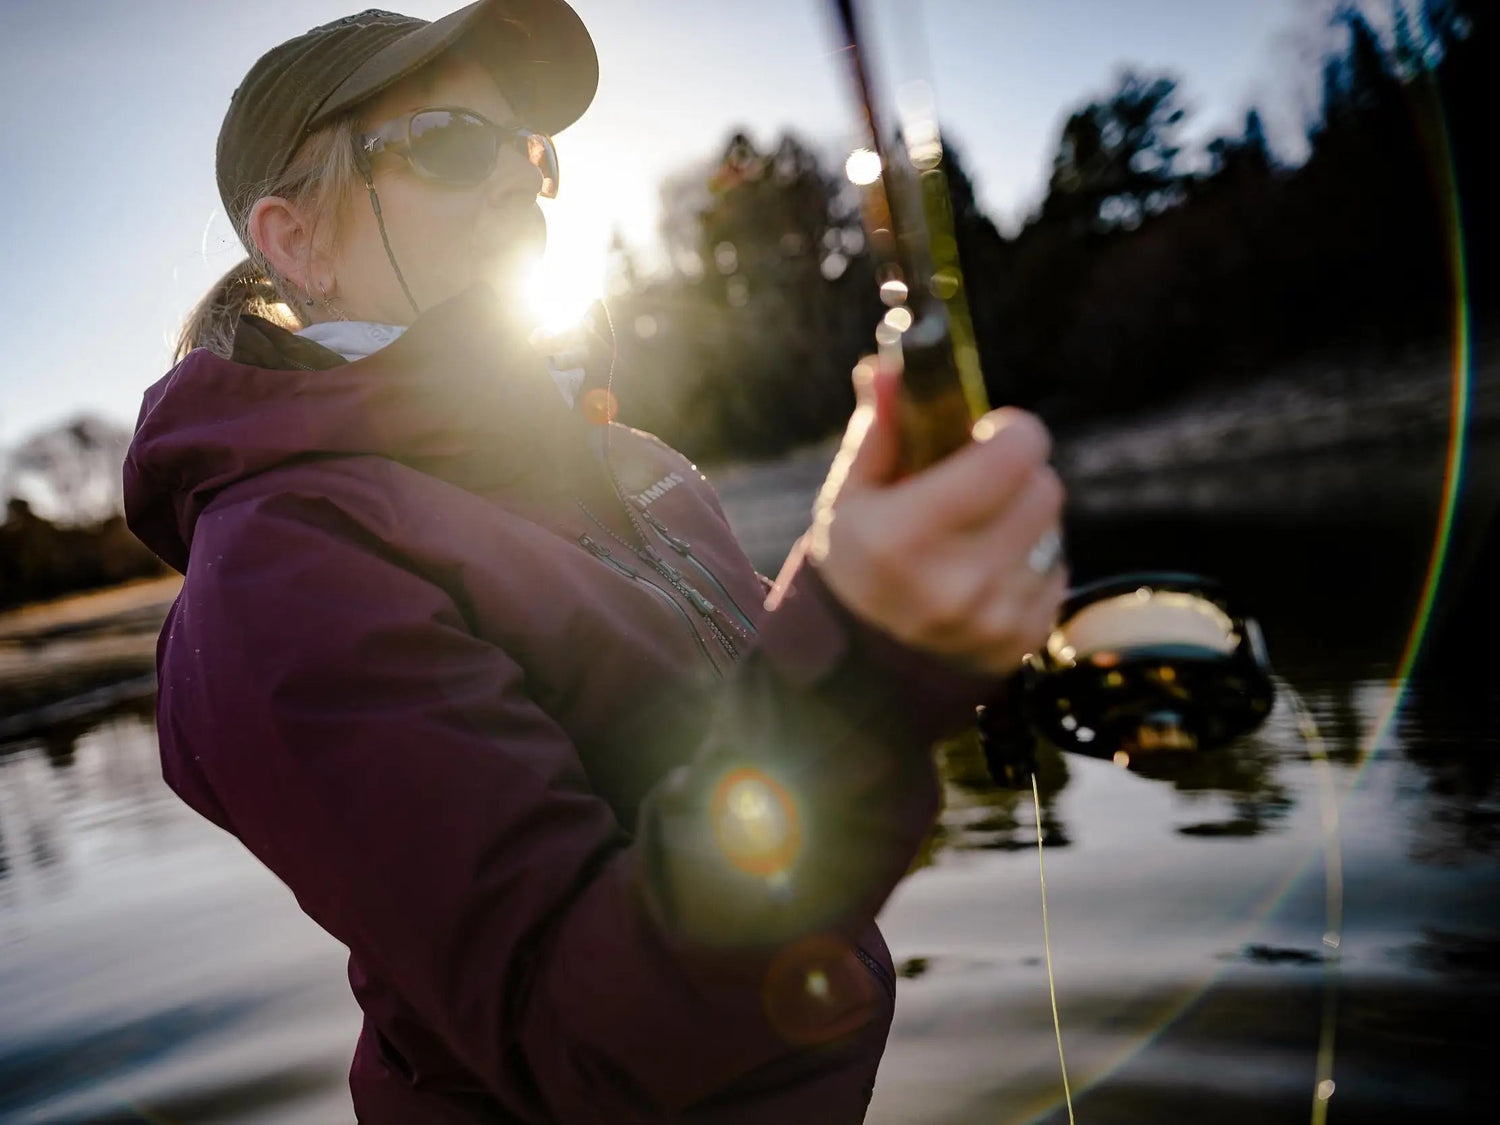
column 941, row 559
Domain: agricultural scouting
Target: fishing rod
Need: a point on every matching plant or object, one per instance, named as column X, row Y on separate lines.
column 1140, row 667
column 1138, row 664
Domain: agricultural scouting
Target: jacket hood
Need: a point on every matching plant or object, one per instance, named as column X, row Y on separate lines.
column 459, row 395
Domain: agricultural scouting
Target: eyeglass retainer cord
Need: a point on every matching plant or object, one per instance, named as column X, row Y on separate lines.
column 386, row 240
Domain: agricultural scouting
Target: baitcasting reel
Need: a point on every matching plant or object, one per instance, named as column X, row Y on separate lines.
column 1140, row 664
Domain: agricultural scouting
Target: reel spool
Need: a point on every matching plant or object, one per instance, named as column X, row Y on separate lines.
column 1151, row 664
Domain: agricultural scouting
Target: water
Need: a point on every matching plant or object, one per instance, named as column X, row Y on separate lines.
column 151, row 971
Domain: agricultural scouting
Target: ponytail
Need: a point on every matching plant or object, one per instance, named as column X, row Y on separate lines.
column 321, row 176
column 244, row 289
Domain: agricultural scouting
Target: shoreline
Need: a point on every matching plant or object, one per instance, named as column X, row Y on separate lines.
column 75, row 656
column 1338, row 444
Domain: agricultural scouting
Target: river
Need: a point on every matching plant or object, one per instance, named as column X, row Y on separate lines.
column 151, row 971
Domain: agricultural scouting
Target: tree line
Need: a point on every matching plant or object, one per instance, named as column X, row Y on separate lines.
column 74, row 468
column 1145, row 270
column 1142, row 273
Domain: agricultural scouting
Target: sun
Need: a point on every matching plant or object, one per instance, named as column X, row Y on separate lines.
column 562, row 287
column 569, row 277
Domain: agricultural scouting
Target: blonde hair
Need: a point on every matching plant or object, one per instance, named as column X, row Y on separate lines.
column 322, row 175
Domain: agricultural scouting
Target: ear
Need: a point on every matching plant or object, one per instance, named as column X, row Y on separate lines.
column 283, row 233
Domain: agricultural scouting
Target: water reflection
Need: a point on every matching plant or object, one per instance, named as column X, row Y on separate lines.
column 1189, row 962
column 148, row 966
column 980, row 814
column 60, row 790
column 1246, row 776
column 1449, row 729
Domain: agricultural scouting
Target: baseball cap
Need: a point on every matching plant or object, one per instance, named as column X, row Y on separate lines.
column 539, row 51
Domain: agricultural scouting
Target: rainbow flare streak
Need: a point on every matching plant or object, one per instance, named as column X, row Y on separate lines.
column 1428, row 111
column 1446, row 188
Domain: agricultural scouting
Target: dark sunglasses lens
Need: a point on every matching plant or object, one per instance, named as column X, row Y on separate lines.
column 453, row 146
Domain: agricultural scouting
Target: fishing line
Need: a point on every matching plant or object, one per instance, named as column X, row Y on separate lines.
column 1333, row 910
column 1333, row 899
column 1041, row 866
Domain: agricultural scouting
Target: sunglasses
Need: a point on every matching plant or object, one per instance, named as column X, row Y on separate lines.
column 459, row 147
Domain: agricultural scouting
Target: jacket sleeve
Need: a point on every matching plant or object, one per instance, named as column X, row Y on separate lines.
column 389, row 766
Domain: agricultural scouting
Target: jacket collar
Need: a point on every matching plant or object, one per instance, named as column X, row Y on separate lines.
column 260, row 343
column 460, row 394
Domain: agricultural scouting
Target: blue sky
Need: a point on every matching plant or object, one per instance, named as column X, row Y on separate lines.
column 110, row 226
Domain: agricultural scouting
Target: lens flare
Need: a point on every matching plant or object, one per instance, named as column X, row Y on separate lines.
column 561, row 287
column 862, row 167
column 599, row 405
column 1428, row 110
column 755, row 822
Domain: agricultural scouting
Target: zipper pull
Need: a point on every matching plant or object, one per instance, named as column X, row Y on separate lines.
column 681, row 546
column 662, row 566
column 659, row 564
column 700, row 603
column 683, row 586
column 601, row 552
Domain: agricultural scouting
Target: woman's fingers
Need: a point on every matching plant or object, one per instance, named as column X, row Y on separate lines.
column 873, row 440
column 976, row 483
column 940, row 559
column 1025, row 622
column 983, row 578
column 1035, row 510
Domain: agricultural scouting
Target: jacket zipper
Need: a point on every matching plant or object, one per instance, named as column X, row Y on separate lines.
column 643, row 550
column 705, row 608
column 601, row 552
column 877, row 970
column 685, row 549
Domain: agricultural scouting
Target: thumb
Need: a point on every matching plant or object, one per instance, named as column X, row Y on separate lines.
column 872, row 443
column 868, row 457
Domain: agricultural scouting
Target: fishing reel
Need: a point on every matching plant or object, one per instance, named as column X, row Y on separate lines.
column 1139, row 665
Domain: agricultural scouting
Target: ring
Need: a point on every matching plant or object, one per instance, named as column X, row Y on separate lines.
column 1044, row 555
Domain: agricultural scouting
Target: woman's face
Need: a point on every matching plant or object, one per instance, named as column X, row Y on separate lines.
column 444, row 237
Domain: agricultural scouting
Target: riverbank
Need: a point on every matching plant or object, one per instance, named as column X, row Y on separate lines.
column 1335, row 439
column 80, row 654
column 1325, row 442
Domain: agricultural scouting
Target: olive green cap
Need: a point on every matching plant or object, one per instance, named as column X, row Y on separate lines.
column 539, row 51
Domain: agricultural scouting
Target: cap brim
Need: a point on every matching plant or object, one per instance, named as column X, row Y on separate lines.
column 559, row 74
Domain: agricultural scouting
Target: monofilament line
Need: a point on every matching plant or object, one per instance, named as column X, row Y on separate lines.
column 1041, row 865
column 1333, row 900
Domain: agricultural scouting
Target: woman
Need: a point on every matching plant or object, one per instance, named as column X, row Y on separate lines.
column 488, row 683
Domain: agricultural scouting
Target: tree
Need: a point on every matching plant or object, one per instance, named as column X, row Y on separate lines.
column 71, row 471
column 1116, row 161
column 772, row 301
column 1249, row 154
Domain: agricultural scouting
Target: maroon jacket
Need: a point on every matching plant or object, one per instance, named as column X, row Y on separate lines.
column 468, row 687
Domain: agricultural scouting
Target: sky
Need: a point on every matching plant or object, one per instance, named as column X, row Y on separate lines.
column 111, row 227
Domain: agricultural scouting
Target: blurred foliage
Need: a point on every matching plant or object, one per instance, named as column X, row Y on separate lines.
column 40, row 559
column 72, row 472
column 746, row 348
column 1140, row 275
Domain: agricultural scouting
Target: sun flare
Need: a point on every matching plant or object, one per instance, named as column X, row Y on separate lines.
column 569, row 277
